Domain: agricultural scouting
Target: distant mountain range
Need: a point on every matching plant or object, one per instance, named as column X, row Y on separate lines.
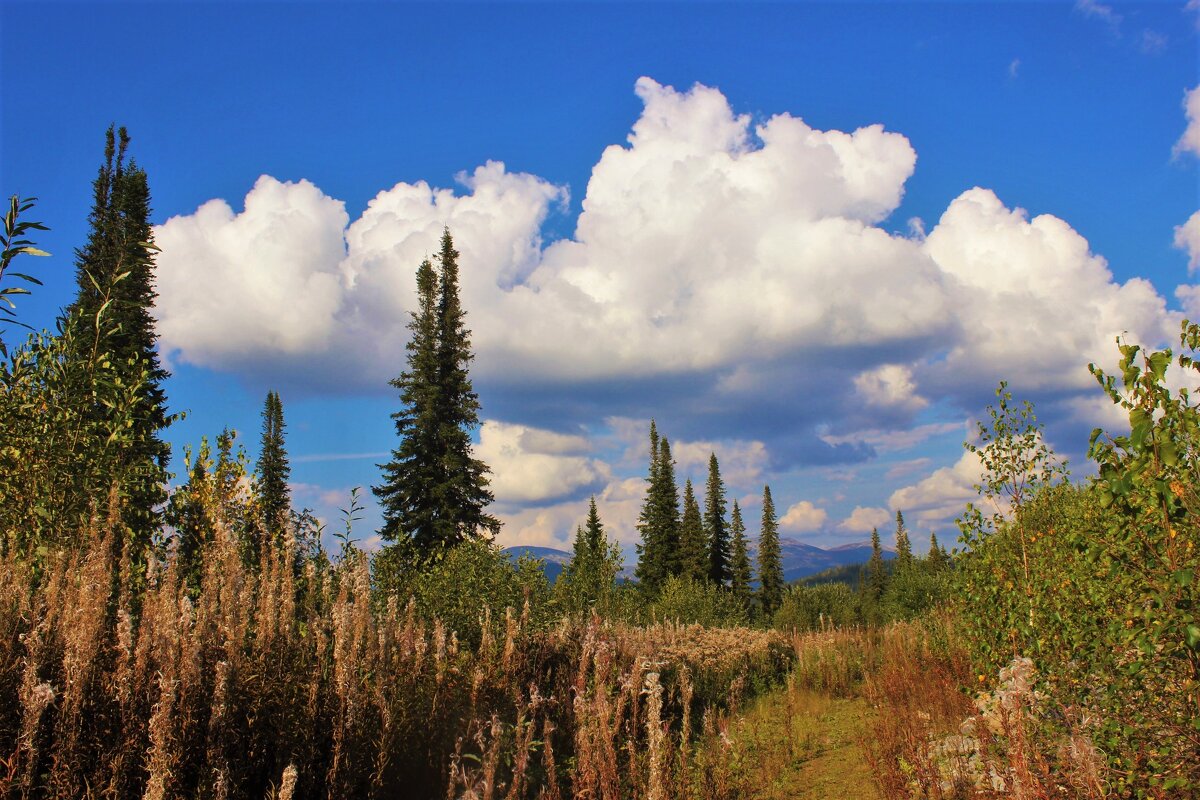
column 799, row 559
column 553, row 560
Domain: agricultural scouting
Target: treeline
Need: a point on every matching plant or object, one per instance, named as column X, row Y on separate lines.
column 874, row 594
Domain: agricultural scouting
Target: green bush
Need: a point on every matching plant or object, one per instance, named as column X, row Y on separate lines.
column 807, row 608
column 1096, row 583
column 466, row 586
column 689, row 601
column 912, row 591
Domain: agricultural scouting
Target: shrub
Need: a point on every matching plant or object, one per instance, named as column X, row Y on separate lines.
column 686, row 600
column 467, row 587
column 809, row 608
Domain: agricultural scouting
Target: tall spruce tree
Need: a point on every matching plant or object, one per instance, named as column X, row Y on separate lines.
column 904, row 553
column 739, row 560
column 649, row 571
column 274, row 498
column 938, row 559
column 114, row 272
column 715, row 530
column 466, row 491
column 434, row 492
column 658, row 523
column 770, row 559
column 589, row 578
column 876, row 581
column 693, row 548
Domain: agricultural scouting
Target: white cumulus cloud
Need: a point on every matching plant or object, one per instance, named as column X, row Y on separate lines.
column 1031, row 299
column 803, row 517
column 232, row 286
column 743, row 256
column 553, row 525
column 1187, row 238
column 940, row 496
column 528, row 465
column 889, row 386
column 863, row 518
column 1190, row 140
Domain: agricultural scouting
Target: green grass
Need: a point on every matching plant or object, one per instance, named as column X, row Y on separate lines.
column 805, row 744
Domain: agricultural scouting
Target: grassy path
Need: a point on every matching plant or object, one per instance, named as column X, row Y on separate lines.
column 805, row 744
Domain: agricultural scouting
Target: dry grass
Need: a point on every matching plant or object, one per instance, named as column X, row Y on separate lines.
column 931, row 738
column 285, row 680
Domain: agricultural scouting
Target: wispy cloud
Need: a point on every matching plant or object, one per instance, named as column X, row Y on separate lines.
column 1105, row 13
column 311, row 458
column 1014, row 67
column 1151, row 42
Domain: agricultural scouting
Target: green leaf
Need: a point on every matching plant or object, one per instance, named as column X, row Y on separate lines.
column 1159, row 363
column 1192, row 636
column 1183, row 577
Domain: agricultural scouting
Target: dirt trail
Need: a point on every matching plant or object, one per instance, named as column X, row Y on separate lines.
column 804, row 744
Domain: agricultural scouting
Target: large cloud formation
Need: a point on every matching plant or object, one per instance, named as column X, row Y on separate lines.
column 739, row 270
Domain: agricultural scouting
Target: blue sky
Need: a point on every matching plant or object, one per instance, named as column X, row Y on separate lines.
column 811, row 237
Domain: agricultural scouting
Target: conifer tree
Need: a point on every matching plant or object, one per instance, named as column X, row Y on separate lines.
column 434, row 492
column 739, row 560
column 876, row 581
column 904, row 554
column 715, row 530
column 938, row 558
column 116, row 267
column 658, row 552
column 770, row 559
column 273, row 469
column 669, row 509
column 594, row 530
column 693, row 550
column 465, row 487
column 590, row 576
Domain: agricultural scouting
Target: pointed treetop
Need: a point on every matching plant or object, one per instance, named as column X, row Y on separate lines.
column 715, row 530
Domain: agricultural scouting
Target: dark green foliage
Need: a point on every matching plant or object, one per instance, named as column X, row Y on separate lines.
column 434, row 491
column 687, row 600
column 770, row 560
column 739, row 558
column 693, row 550
column 589, row 580
column 849, row 574
column 188, row 514
column 274, row 497
column 115, row 274
column 904, row 552
column 467, row 587
column 876, row 574
column 938, row 558
column 465, row 493
column 658, row 552
column 215, row 482
column 823, row 605
column 720, row 570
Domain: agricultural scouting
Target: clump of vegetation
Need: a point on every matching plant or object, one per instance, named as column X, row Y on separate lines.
column 1082, row 597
